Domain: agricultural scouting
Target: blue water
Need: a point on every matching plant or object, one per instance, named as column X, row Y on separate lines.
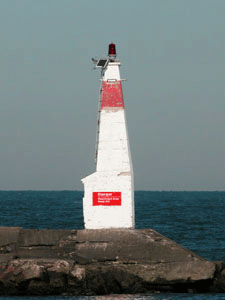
column 192, row 219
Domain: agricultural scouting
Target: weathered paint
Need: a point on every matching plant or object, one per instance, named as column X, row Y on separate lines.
column 112, row 95
column 108, row 193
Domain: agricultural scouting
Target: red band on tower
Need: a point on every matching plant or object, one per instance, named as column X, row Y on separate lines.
column 112, row 95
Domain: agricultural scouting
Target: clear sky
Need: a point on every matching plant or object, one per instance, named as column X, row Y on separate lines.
column 172, row 53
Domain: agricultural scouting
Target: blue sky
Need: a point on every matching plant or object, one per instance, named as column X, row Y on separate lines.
column 172, row 55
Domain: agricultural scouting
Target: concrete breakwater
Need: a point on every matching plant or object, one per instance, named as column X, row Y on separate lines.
column 97, row 262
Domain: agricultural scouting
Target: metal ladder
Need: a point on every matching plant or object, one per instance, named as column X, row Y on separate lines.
column 98, row 122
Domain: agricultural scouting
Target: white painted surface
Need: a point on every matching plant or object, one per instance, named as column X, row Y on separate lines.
column 113, row 149
column 96, row 217
column 112, row 71
column 114, row 171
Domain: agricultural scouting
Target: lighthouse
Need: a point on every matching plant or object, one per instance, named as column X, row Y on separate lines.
column 109, row 192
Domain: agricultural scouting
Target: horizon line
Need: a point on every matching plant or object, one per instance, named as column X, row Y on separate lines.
column 137, row 190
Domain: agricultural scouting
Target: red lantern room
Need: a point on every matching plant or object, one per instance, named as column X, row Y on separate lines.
column 112, row 50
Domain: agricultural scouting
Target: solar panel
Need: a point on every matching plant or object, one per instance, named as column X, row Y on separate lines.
column 101, row 63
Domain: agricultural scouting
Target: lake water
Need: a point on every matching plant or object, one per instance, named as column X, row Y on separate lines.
column 192, row 219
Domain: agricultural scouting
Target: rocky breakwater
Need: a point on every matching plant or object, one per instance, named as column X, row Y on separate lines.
column 97, row 262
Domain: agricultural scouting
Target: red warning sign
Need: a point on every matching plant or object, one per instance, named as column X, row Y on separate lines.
column 107, row 198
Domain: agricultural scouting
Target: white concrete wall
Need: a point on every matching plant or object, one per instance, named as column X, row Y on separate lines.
column 113, row 146
column 96, row 217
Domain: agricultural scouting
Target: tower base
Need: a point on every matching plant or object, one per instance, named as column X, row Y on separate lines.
column 108, row 201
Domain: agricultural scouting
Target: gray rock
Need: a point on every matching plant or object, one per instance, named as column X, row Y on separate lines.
column 97, row 262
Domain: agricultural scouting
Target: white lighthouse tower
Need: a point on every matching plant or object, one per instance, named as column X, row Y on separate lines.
column 109, row 192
